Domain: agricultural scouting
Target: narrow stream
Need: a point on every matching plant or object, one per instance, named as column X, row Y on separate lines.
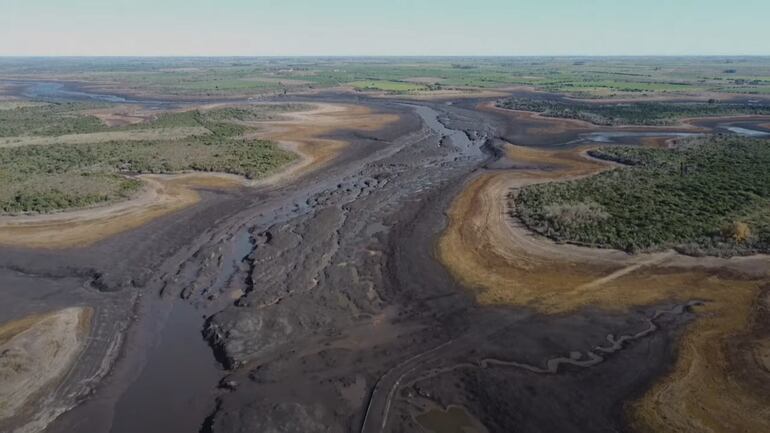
column 176, row 383
column 61, row 92
column 179, row 368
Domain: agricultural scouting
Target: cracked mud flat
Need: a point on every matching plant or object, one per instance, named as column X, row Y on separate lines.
column 318, row 305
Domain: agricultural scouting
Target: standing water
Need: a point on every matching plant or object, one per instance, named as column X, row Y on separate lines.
column 174, row 388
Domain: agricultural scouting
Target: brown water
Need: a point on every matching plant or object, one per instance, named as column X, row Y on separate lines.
column 454, row 420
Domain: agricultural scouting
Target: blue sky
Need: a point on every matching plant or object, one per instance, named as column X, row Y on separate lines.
column 387, row 27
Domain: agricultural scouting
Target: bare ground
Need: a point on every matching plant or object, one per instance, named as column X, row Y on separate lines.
column 36, row 353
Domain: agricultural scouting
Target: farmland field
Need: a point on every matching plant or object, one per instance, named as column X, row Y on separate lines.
column 586, row 77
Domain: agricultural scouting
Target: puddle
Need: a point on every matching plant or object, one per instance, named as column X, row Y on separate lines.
column 454, row 420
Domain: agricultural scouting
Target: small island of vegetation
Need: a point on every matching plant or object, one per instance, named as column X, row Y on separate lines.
column 706, row 196
column 636, row 113
column 59, row 176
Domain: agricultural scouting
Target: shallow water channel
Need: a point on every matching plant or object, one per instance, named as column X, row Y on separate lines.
column 173, row 389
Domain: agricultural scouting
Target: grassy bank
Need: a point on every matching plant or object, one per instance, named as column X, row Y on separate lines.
column 709, row 196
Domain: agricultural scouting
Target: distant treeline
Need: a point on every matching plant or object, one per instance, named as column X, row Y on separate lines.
column 638, row 113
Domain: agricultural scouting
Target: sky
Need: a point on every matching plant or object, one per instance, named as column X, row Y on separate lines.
column 383, row 27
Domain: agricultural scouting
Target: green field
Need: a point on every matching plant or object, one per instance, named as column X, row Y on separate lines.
column 599, row 77
column 708, row 196
column 39, row 179
column 388, row 86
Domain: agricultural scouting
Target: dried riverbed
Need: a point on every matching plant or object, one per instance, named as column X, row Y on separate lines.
column 319, row 306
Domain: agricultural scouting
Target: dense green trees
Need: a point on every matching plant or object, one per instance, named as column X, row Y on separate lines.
column 638, row 113
column 46, row 178
column 708, row 196
column 51, row 119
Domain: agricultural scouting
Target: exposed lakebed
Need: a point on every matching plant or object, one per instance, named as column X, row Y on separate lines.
column 315, row 302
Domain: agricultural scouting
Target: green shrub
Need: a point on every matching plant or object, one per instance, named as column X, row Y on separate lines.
column 665, row 198
column 64, row 176
column 48, row 120
column 638, row 113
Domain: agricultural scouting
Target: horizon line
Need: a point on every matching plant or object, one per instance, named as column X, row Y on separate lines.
column 278, row 56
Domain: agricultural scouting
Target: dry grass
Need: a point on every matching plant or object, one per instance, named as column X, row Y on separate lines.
column 706, row 391
column 504, row 263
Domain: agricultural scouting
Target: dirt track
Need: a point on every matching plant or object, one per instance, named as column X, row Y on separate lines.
column 328, row 311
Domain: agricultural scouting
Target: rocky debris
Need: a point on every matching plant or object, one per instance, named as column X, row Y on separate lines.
column 106, row 282
column 244, row 334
